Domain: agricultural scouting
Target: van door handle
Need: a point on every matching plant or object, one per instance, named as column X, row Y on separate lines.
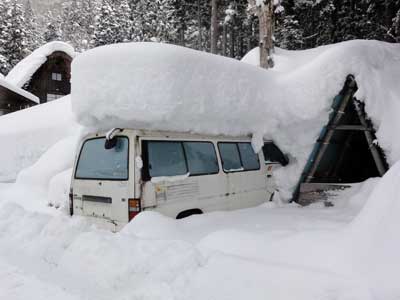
column 269, row 176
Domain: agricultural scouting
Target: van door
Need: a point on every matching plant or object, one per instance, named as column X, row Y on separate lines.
column 101, row 186
column 246, row 181
column 182, row 175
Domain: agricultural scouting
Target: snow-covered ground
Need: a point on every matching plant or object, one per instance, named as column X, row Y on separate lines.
column 274, row 251
column 271, row 251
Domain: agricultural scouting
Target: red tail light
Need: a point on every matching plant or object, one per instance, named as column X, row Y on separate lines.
column 134, row 208
column 71, row 202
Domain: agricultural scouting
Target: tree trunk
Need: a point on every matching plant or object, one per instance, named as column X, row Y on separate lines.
column 224, row 40
column 265, row 16
column 249, row 36
column 232, row 37
column 214, row 26
column 199, row 21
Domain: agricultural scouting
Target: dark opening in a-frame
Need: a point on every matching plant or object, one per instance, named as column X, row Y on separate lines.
column 346, row 150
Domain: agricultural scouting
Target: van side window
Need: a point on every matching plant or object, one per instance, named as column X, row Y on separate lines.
column 166, row 159
column 249, row 158
column 230, row 157
column 272, row 154
column 201, row 158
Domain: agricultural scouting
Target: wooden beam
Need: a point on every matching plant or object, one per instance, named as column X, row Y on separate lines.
column 351, row 87
column 351, row 127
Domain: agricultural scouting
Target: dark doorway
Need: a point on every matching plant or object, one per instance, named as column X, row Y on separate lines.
column 346, row 150
column 347, row 158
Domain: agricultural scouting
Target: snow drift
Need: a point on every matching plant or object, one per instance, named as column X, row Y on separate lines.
column 29, row 133
column 374, row 234
column 255, row 253
column 24, row 70
column 168, row 87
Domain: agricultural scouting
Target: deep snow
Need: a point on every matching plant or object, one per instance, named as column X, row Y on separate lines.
column 275, row 251
column 271, row 251
column 29, row 133
column 168, row 87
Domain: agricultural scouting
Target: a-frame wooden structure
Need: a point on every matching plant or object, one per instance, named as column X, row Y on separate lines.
column 345, row 152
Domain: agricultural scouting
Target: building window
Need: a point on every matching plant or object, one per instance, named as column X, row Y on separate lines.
column 51, row 97
column 56, row 76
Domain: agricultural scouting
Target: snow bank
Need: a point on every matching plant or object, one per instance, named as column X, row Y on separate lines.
column 24, row 70
column 18, row 90
column 375, row 237
column 56, row 159
column 255, row 253
column 173, row 88
column 27, row 134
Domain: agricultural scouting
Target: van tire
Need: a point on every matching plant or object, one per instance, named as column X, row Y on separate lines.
column 187, row 213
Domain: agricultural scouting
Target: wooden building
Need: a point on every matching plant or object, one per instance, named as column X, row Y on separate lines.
column 52, row 80
column 13, row 98
column 346, row 152
column 42, row 76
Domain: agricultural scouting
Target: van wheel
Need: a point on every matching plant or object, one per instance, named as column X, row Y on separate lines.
column 187, row 213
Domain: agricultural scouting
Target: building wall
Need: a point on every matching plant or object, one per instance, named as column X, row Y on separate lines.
column 10, row 101
column 52, row 79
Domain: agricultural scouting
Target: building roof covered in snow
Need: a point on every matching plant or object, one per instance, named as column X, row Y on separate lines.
column 25, row 69
column 17, row 92
column 13, row 98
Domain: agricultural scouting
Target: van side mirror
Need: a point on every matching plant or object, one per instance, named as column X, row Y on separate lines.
column 111, row 140
column 284, row 160
column 273, row 154
column 110, row 143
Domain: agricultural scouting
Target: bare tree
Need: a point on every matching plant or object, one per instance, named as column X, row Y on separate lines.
column 264, row 10
column 214, row 26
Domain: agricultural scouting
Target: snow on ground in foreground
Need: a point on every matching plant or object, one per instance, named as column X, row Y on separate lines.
column 27, row 134
column 168, row 87
column 267, row 252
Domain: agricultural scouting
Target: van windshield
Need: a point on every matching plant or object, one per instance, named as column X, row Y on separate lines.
column 95, row 162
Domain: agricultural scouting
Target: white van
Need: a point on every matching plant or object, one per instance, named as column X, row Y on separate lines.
column 119, row 174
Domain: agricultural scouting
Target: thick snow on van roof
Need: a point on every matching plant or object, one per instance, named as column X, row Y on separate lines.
column 159, row 86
